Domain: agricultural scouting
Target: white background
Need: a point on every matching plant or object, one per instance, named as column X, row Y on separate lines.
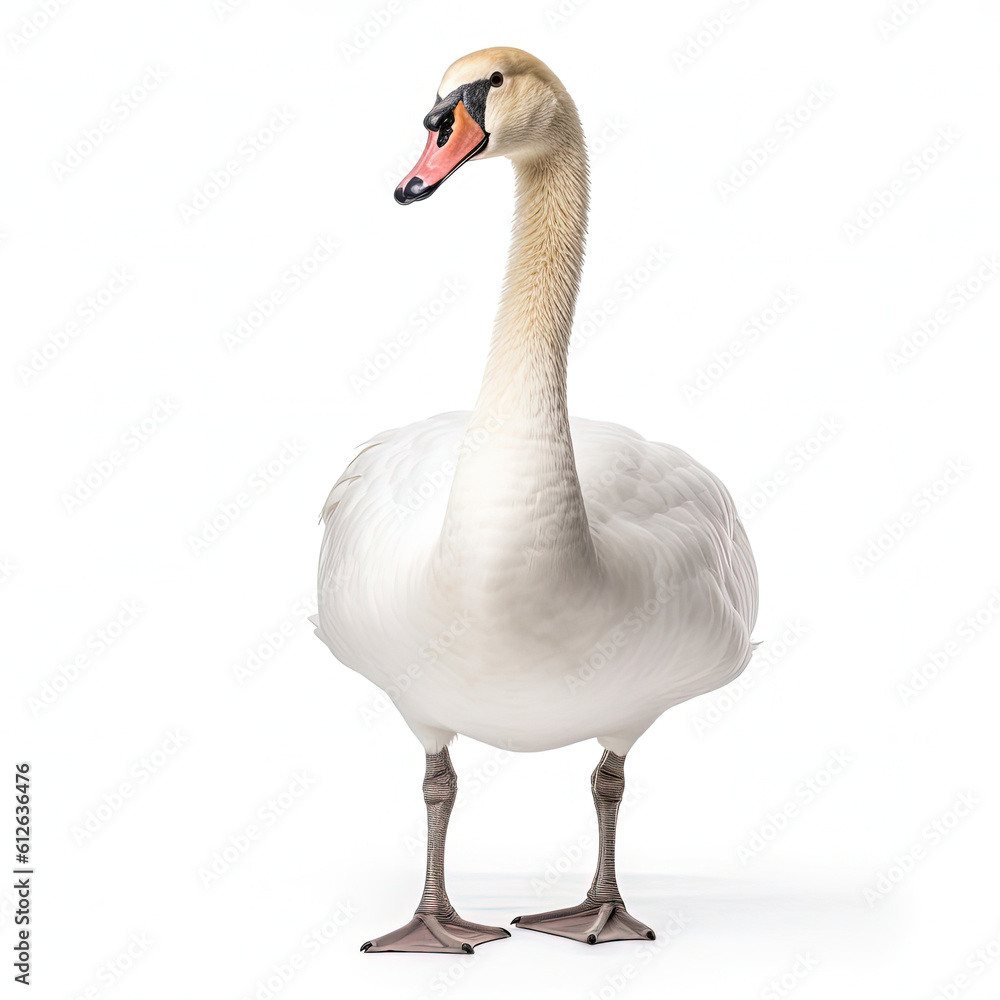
column 706, row 778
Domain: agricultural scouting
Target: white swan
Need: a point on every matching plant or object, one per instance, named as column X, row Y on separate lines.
column 523, row 578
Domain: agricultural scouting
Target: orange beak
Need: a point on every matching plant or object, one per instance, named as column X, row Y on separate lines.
column 456, row 139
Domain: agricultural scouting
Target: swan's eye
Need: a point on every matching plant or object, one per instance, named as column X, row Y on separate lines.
column 496, row 79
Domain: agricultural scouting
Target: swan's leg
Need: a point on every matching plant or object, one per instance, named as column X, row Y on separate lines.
column 602, row 915
column 435, row 925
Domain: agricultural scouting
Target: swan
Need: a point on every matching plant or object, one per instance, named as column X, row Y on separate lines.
column 560, row 579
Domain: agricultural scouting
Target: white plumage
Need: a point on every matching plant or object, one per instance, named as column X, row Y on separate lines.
column 538, row 669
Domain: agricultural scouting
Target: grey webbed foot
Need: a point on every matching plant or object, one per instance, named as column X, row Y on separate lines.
column 429, row 933
column 590, row 921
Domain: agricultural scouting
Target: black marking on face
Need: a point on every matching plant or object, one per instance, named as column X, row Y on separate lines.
column 442, row 115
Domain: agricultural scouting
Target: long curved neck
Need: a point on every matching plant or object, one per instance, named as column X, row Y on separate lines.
column 530, row 345
column 516, row 511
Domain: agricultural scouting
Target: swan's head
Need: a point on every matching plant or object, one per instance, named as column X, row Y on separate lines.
column 495, row 102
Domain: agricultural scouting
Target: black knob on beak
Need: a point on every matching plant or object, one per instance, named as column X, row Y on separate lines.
column 441, row 120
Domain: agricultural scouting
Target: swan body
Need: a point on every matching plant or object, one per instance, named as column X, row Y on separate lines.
column 508, row 573
column 493, row 651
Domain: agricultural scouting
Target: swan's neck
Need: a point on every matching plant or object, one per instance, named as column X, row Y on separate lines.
column 516, row 509
column 526, row 370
